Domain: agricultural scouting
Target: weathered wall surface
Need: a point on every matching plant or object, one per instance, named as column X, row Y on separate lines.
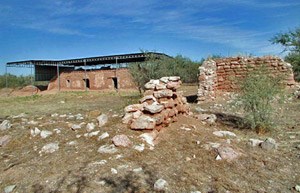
column 97, row 80
column 221, row 74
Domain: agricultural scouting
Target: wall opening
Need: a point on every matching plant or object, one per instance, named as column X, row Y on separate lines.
column 87, row 83
column 68, row 82
column 115, row 82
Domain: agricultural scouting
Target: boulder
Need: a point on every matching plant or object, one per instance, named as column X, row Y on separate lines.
column 143, row 122
column 121, row 141
column 102, row 120
column 5, row 125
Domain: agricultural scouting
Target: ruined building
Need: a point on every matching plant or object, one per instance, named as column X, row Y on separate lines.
column 217, row 75
column 94, row 73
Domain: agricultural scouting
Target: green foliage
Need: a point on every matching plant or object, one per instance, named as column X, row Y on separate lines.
column 291, row 43
column 155, row 68
column 14, row 81
column 257, row 93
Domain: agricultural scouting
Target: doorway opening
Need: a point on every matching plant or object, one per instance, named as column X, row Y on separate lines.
column 87, row 83
column 115, row 82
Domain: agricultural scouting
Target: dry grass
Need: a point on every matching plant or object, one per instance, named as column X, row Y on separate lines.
column 180, row 157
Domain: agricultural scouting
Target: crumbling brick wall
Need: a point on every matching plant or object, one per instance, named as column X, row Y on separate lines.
column 221, row 74
column 97, row 80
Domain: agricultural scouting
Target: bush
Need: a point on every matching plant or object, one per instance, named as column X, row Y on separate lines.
column 14, row 81
column 155, row 68
column 257, row 93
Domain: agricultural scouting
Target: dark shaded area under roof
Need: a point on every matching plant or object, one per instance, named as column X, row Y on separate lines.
column 90, row 61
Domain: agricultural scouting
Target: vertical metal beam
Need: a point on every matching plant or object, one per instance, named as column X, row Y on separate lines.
column 6, row 81
column 85, row 87
column 31, row 72
column 58, row 77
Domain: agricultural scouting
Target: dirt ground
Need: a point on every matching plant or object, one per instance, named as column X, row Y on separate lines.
column 183, row 154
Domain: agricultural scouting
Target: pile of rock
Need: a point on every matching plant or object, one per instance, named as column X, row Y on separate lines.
column 159, row 107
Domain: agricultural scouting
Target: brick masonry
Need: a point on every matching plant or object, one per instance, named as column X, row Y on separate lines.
column 97, row 80
column 221, row 74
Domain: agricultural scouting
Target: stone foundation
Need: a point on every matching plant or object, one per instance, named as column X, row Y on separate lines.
column 222, row 74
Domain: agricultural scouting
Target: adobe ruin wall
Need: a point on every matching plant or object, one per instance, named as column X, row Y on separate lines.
column 96, row 80
column 221, row 74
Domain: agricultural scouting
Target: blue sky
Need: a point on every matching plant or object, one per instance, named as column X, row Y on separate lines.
column 62, row 29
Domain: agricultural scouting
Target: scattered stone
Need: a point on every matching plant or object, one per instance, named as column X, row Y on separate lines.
column 208, row 118
column 33, row 122
column 72, row 143
column 103, row 136
column 78, row 136
column 9, row 189
column 75, row 126
column 161, row 185
column 121, row 141
column 57, row 130
column 90, row 127
column 255, row 142
column 140, row 147
column 184, row 127
column 5, row 125
column 4, row 140
column 102, row 120
column 63, row 116
column 92, row 134
column 227, row 153
column 93, row 114
column 22, row 115
column 114, row 171
column 44, row 134
column 107, row 149
column 79, row 116
column 218, row 157
column 269, row 144
column 195, row 192
column 297, row 188
column 224, row 134
column 143, row 122
column 34, row 132
column 140, row 169
column 50, row 148
column 54, row 115
column 119, row 156
column 149, row 137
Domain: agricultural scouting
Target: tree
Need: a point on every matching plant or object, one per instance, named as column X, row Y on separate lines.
column 291, row 43
column 156, row 67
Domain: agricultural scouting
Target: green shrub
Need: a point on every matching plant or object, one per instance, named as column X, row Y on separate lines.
column 14, row 81
column 258, row 91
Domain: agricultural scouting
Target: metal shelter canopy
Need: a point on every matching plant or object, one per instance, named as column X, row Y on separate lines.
column 90, row 61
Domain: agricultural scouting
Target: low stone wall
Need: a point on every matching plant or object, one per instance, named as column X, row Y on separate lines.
column 222, row 74
column 159, row 107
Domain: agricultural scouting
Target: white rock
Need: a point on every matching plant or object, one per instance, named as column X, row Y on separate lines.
column 90, row 127
column 224, row 134
column 102, row 120
column 113, row 171
column 72, row 143
column 119, row 156
column 44, row 134
column 218, row 157
column 75, row 126
column 33, row 122
column 19, row 116
column 63, row 116
column 269, row 144
column 50, row 148
column 34, row 132
column 107, row 149
column 140, row 147
column 57, row 130
column 121, row 141
column 195, row 192
column 137, row 170
column 297, row 188
column 255, row 142
column 9, row 189
column 78, row 136
column 103, row 136
column 4, row 140
column 149, row 138
column 161, row 185
column 54, row 115
column 5, row 125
